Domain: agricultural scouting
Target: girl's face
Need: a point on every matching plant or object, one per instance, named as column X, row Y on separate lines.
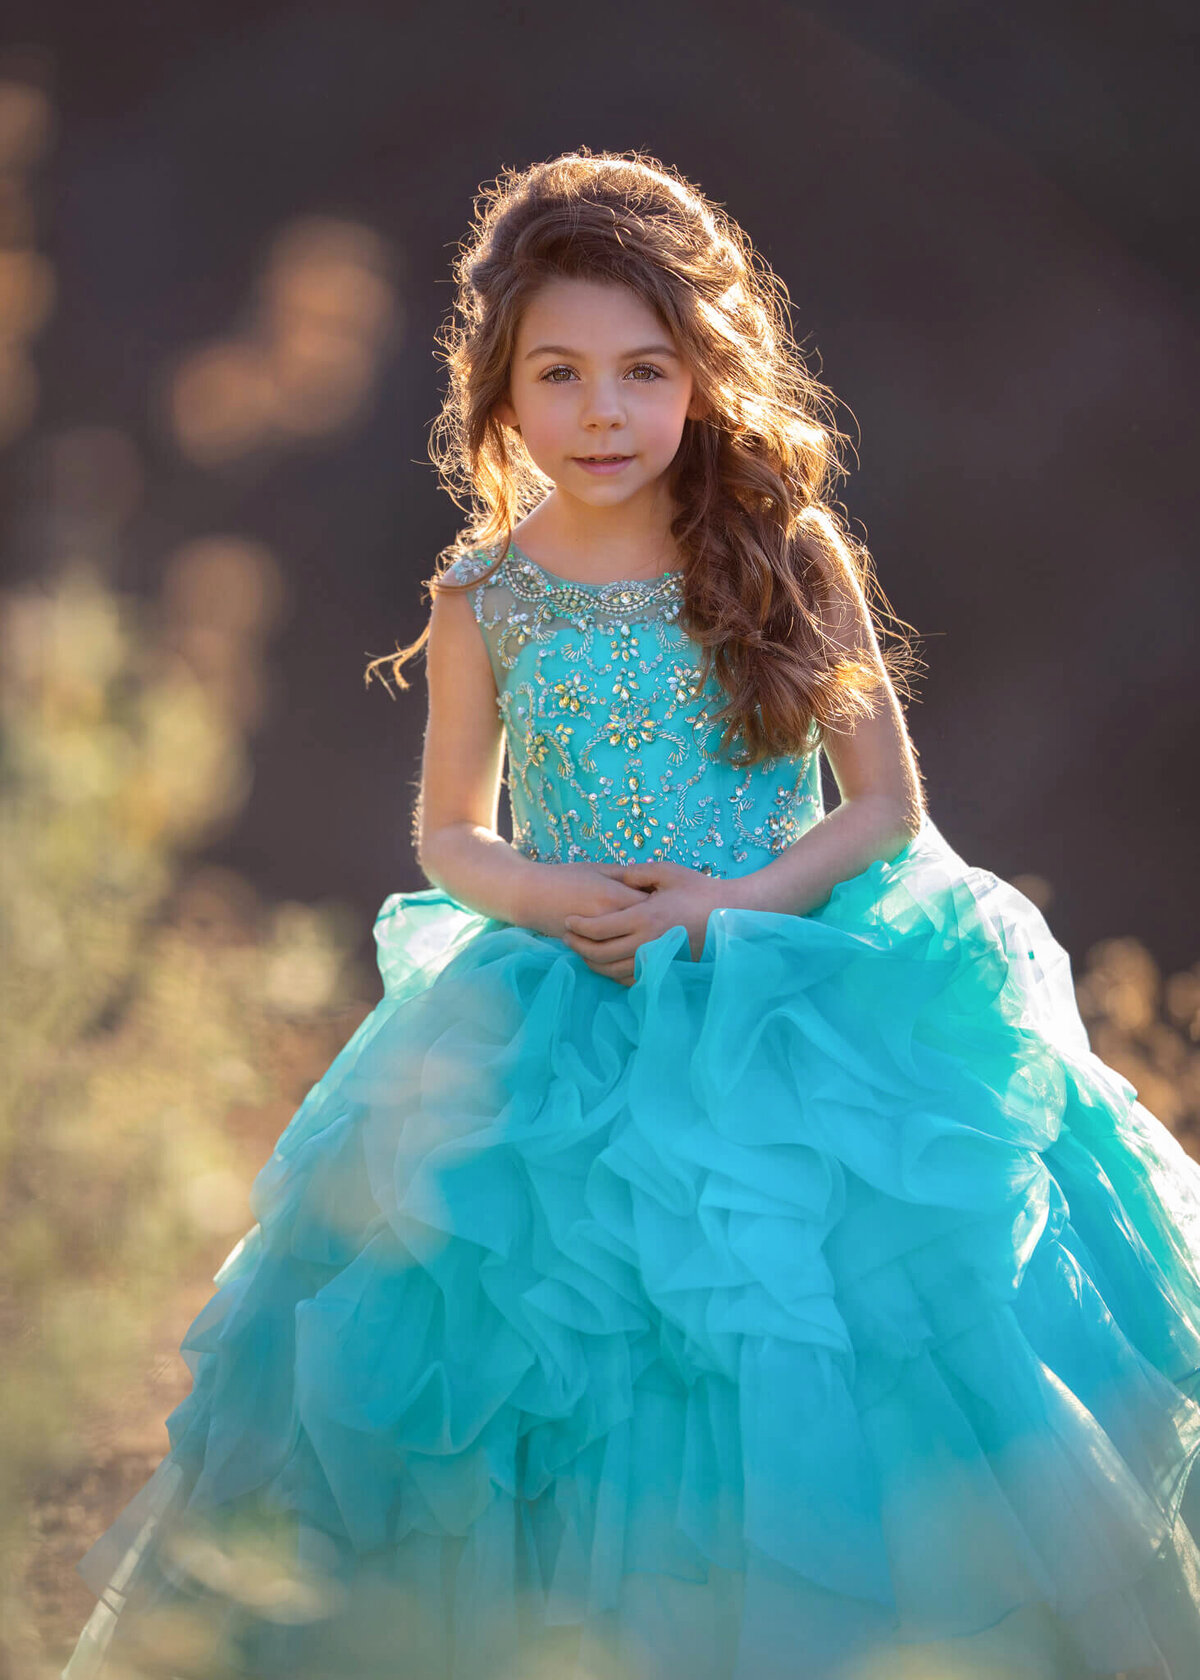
column 595, row 373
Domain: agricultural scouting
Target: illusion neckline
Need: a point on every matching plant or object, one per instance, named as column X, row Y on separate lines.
column 518, row 553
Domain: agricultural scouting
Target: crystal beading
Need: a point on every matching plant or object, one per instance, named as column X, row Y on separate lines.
column 612, row 753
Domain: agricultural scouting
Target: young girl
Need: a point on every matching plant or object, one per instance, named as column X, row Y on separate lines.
column 719, row 1256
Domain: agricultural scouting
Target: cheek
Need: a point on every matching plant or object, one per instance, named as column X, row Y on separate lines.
column 545, row 418
column 665, row 421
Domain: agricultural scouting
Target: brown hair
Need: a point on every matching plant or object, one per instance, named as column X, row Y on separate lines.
column 765, row 551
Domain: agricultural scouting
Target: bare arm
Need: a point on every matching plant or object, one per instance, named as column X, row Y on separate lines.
column 458, row 846
column 462, row 763
column 875, row 768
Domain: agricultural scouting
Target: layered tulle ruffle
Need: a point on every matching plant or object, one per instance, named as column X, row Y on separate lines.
column 812, row 1307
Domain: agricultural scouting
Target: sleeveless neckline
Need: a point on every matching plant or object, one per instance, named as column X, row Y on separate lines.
column 515, row 552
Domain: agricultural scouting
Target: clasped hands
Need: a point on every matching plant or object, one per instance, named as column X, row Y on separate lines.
column 616, row 907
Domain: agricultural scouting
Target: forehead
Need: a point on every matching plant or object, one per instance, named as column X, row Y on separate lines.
column 591, row 311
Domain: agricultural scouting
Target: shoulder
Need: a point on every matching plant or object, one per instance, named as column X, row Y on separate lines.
column 847, row 618
column 469, row 567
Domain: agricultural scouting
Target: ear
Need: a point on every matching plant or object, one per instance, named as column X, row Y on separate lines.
column 506, row 414
column 697, row 409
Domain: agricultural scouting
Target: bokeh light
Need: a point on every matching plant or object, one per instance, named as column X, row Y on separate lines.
column 27, row 285
column 324, row 313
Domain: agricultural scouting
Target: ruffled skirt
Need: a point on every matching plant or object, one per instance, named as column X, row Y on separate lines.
column 819, row 1308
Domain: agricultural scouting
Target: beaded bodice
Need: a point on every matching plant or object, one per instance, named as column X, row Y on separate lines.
column 612, row 754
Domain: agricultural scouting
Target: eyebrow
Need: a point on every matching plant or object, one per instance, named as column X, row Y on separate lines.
column 565, row 350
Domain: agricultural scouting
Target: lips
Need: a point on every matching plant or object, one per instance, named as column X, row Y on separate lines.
column 603, row 466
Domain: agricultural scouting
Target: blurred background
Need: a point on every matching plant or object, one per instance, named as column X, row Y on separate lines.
column 225, row 241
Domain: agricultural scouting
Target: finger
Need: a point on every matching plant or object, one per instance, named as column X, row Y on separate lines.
column 617, row 871
column 604, row 951
column 607, row 925
column 619, row 965
column 642, row 874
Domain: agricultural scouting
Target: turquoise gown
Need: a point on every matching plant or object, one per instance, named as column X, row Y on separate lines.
column 821, row 1307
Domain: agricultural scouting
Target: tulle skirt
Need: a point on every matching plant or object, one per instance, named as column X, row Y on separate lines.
column 821, row 1307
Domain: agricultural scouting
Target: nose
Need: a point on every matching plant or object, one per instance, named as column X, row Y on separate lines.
column 603, row 405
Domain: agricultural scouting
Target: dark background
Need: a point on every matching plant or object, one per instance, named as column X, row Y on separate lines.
column 985, row 216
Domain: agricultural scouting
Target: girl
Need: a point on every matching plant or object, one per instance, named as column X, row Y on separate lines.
column 719, row 1255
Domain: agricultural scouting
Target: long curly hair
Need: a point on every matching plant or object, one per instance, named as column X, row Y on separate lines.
column 764, row 549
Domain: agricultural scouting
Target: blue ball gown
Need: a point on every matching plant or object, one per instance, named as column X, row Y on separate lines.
column 820, row 1307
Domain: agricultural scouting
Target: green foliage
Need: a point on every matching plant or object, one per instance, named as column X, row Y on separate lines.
column 145, row 1006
